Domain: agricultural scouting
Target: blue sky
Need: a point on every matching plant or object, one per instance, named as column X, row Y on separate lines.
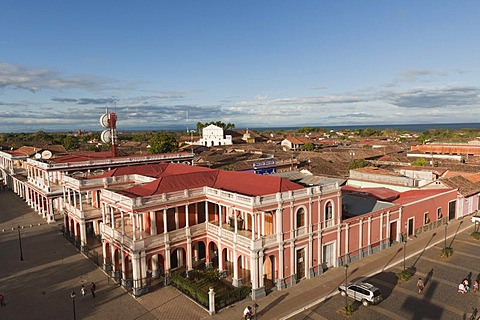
column 252, row 63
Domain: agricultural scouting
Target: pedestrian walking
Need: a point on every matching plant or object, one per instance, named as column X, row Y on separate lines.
column 420, row 285
column 475, row 286
column 82, row 291
column 92, row 289
column 2, row 300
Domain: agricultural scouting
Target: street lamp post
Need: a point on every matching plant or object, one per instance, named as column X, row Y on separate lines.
column 445, row 245
column 346, row 282
column 20, row 242
column 72, row 295
column 405, row 244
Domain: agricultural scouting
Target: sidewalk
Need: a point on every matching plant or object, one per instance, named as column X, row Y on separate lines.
column 306, row 294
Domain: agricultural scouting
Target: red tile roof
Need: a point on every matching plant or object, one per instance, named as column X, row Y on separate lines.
column 414, row 195
column 89, row 156
column 177, row 177
column 379, row 193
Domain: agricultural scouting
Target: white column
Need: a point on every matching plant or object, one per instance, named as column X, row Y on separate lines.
column 259, row 227
column 189, row 254
column 81, row 202
column 220, row 257
column 260, row 269
column 219, row 215
column 254, row 269
column 134, row 227
column 186, row 216
column 263, row 222
column 153, row 223
column 253, row 226
column 281, row 265
column 278, row 219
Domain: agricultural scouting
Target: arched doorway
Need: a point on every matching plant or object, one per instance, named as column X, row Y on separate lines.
column 213, row 254
column 127, row 274
column 107, row 253
column 156, row 265
column 177, row 258
column 269, row 272
column 199, row 253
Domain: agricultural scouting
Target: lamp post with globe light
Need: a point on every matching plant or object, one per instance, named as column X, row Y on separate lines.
column 445, row 245
column 346, row 281
column 72, row 295
column 20, row 242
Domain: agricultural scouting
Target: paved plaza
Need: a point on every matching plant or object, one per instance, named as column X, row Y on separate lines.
column 318, row 298
column 39, row 286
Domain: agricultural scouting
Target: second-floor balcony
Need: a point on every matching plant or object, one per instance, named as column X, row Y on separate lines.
column 46, row 186
column 88, row 212
column 145, row 241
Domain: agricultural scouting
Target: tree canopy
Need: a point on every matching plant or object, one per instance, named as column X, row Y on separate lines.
column 163, row 142
column 220, row 124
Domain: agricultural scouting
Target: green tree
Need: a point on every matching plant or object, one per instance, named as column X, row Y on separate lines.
column 357, row 163
column 420, row 162
column 224, row 126
column 308, row 147
column 71, row 143
column 163, row 142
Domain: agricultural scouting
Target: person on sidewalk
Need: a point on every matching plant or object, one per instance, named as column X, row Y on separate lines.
column 461, row 288
column 420, row 285
column 247, row 313
column 93, row 287
column 475, row 286
column 2, row 300
column 82, row 291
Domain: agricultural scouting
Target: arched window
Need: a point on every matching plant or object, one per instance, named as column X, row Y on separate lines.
column 300, row 221
column 328, row 214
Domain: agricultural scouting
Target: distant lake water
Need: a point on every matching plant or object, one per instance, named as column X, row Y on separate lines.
column 406, row 127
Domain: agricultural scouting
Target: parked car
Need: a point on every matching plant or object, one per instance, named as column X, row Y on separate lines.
column 362, row 291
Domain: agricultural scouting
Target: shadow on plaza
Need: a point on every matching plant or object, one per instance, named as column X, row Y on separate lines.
column 17, row 209
column 421, row 307
column 271, row 305
column 36, row 250
column 455, row 235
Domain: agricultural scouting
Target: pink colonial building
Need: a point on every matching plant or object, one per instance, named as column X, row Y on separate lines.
column 262, row 231
column 258, row 230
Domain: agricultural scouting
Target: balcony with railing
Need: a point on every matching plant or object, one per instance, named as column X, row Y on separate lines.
column 46, row 186
column 242, row 237
column 233, row 198
column 88, row 211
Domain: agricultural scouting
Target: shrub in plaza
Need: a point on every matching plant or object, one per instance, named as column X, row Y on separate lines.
column 446, row 252
column 475, row 234
column 404, row 275
column 198, row 283
column 347, row 310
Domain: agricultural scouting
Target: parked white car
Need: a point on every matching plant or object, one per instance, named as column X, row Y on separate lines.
column 362, row 291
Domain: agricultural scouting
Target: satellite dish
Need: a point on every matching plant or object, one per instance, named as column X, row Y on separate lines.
column 47, row 154
column 104, row 121
column 106, row 136
column 38, row 156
